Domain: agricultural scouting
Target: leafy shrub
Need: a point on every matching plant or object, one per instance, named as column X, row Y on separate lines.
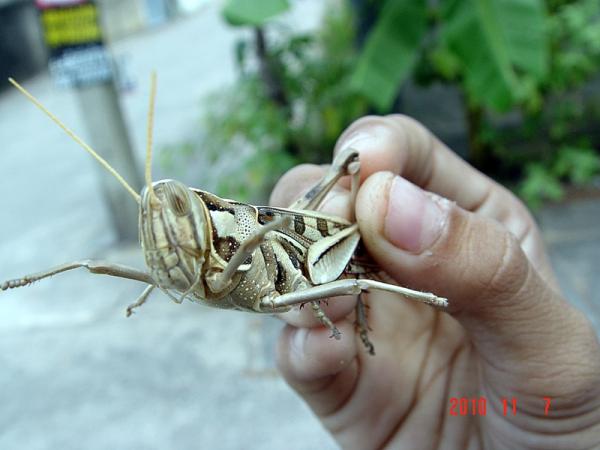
column 527, row 59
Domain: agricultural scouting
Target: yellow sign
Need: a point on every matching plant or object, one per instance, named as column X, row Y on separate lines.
column 71, row 26
column 74, row 40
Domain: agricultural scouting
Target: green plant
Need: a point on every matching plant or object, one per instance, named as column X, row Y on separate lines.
column 497, row 50
column 526, row 58
column 558, row 155
column 289, row 104
column 543, row 180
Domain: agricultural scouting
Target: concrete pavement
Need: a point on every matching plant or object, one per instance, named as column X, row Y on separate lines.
column 74, row 372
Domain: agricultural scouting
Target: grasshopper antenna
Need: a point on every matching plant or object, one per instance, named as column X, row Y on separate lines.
column 148, row 171
column 76, row 138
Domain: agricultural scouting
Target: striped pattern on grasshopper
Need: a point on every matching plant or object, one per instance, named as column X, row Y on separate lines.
column 232, row 255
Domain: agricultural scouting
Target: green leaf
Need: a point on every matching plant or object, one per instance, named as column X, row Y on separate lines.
column 578, row 164
column 495, row 39
column 540, row 184
column 252, row 12
column 523, row 23
column 390, row 51
column 446, row 63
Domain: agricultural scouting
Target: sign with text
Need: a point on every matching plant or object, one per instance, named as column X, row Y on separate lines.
column 73, row 36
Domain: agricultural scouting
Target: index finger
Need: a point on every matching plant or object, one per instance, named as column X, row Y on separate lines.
column 402, row 145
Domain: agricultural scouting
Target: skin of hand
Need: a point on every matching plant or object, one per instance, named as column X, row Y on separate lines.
column 436, row 224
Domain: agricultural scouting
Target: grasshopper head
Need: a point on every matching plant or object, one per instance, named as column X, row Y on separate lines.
column 173, row 234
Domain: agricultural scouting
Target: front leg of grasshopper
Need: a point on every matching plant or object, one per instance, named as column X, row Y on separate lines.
column 140, row 300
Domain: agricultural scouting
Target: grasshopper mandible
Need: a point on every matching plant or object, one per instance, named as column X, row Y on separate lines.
column 232, row 255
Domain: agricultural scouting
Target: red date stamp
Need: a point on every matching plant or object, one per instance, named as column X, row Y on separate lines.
column 477, row 406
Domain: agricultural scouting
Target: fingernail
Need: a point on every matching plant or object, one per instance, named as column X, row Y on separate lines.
column 355, row 140
column 413, row 221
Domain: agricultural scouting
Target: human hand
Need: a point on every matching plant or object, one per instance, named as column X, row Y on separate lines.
column 508, row 334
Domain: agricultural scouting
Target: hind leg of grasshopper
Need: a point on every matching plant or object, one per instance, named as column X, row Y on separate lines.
column 362, row 325
column 352, row 286
column 345, row 163
column 99, row 267
column 320, row 314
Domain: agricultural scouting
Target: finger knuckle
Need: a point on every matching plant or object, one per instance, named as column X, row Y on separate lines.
column 418, row 137
column 366, row 121
column 370, row 125
column 507, row 270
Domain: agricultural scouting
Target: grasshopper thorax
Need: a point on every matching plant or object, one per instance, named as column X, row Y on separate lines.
column 173, row 234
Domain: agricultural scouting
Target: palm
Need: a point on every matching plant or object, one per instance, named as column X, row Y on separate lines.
column 422, row 358
column 402, row 396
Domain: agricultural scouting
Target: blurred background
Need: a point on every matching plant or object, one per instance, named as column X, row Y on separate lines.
column 246, row 90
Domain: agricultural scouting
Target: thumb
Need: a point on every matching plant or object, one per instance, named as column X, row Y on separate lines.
column 431, row 244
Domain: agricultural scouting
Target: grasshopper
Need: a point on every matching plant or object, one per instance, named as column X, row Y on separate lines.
column 232, row 255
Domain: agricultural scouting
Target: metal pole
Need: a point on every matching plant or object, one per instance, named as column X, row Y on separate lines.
column 99, row 105
column 78, row 58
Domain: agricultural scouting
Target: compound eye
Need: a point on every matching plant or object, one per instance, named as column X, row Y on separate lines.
column 177, row 201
